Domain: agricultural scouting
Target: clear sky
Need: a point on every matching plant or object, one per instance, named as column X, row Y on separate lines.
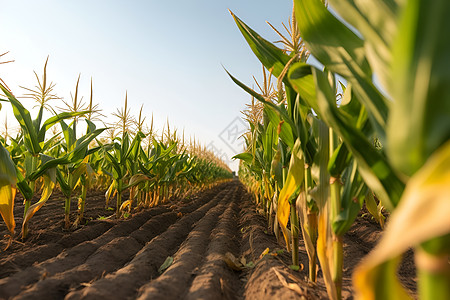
column 167, row 55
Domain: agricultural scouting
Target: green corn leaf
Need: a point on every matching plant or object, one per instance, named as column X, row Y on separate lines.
column 301, row 74
column 276, row 169
column 352, row 109
column 74, row 156
column 69, row 135
column 76, row 174
column 351, row 200
column 420, row 115
column 245, row 156
column 37, row 122
column 82, row 144
column 320, row 193
column 23, row 186
column 56, row 119
column 51, row 142
column 94, row 150
column 376, row 20
column 24, row 118
column 373, row 209
column 135, row 147
column 285, row 129
column 373, row 166
column 268, row 137
column 342, row 52
column 124, row 147
column 279, row 108
column 90, row 126
column 50, row 164
column 339, row 160
column 63, row 183
column 117, row 170
column 272, row 57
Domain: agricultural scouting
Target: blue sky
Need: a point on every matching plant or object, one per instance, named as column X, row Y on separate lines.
column 167, row 55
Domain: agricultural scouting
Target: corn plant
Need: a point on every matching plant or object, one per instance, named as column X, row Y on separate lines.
column 326, row 211
column 8, row 188
column 78, row 170
column 123, row 158
column 288, row 116
column 405, row 46
column 415, row 155
column 33, row 137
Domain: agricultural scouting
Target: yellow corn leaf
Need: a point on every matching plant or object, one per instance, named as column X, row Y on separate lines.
column 109, row 191
column 294, row 180
column 264, row 253
column 125, row 205
column 423, row 214
column 7, row 195
column 8, row 181
column 325, row 251
column 48, row 185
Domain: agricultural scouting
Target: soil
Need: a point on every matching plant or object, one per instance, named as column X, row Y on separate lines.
column 109, row 258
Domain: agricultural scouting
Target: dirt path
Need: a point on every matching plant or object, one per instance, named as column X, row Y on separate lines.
column 119, row 259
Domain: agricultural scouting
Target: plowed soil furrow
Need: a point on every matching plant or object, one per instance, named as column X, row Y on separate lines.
column 40, row 253
column 69, row 258
column 45, row 242
column 89, row 260
column 119, row 259
column 144, row 266
column 174, row 281
column 214, row 279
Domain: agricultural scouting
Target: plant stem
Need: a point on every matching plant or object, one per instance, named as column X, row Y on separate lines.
column 31, row 184
column 25, row 210
column 311, row 228
column 433, row 269
column 335, row 197
column 67, row 212
column 295, row 233
column 338, row 259
column 119, row 198
column 433, row 286
column 81, row 202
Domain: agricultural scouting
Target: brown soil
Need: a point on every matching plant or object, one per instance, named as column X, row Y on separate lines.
column 106, row 258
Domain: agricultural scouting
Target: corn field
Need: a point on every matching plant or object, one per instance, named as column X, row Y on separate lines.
column 151, row 169
column 343, row 189
column 368, row 127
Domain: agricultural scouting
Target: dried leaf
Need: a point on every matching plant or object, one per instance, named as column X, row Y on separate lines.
column 292, row 286
column 167, row 263
column 232, row 262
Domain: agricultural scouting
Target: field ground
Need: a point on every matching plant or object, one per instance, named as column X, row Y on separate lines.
column 119, row 259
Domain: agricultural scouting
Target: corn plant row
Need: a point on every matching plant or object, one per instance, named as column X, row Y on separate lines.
column 130, row 158
column 318, row 149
